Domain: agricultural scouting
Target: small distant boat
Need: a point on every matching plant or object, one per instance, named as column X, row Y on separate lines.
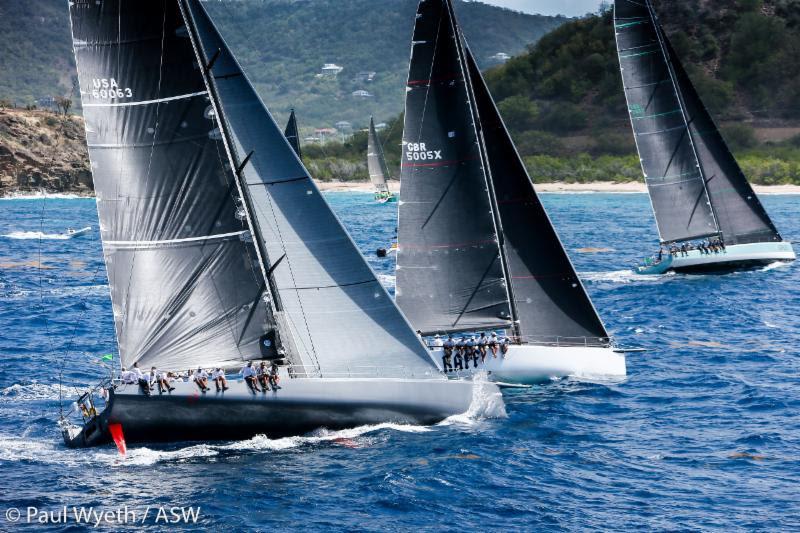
column 706, row 211
column 73, row 233
column 378, row 171
column 293, row 135
column 476, row 249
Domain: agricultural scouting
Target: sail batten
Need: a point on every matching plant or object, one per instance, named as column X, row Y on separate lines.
column 184, row 286
column 337, row 313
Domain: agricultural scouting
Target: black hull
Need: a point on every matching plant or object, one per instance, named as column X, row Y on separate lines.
column 186, row 415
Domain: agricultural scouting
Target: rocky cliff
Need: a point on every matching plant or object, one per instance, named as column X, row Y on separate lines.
column 42, row 151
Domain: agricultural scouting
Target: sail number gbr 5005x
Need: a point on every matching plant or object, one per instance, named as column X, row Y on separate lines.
column 419, row 152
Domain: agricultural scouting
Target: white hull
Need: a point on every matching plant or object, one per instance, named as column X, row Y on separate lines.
column 531, row 364
column 733, row 257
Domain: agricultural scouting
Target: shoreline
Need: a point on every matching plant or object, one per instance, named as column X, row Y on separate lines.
column 595, row 187
column 601, row 187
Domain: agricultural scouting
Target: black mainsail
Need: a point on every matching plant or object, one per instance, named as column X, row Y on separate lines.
column 184, row 277
column 376, row 161
column 328, row 301
column 696, row 186
column 449, row 270
column 292, row 134
column 533, row 281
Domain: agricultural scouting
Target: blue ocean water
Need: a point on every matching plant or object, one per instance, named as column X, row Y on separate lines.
column 703, row 435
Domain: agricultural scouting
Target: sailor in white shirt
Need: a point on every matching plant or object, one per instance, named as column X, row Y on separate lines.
column 127, row 377
column 219, row 380
column 142, row 379
column 250, row 377
column 438, row 342
column 161, row 379
column 201, row 378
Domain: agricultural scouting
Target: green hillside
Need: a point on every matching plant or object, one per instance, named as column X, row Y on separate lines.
column 283, row 44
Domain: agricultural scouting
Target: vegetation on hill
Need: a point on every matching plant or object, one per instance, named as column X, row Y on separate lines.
column 564, row 104
column 282, row 45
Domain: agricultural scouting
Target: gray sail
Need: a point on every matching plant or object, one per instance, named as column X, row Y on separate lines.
column 550, row 302
column 449, row 271
column 183, row 283
column 340, row 318
column 741, row 216
column 668, row 155
column 376, row 161
column 292, row 134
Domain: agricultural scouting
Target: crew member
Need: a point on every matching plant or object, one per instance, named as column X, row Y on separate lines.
column 141, row 378
column 201, row 378
column 274, row 376
column 262, row 373
column 447, row 358
column 250, row 375
column 219, row 380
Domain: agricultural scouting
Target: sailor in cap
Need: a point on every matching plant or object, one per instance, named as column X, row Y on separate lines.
column 493, row 343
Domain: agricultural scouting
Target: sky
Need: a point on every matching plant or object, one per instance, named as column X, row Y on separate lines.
column 570, row 8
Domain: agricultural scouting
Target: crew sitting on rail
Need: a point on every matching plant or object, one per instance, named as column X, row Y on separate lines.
column 505, row 343
column 161, row 379
column 493, row 344
column 274, row 376
column 219, row 379
column 201, row 378
column 142, row 379
column 447, row 358
column 250, row 377
column 262, row 374
column 458, row 357
column 127, row 377
column 437, row 342
column 483, row 344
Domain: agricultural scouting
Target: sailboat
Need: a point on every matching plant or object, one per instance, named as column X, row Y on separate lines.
column 293, row 135
column 476, row 250
column 220, row 250
column 708, row 216
column 378, row 171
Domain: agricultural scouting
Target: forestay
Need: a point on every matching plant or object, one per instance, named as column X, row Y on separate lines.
column 339, row 315
column 376, row 162
column 449, row 271
column 549, row 299
column 183, row 283
column 669, row 161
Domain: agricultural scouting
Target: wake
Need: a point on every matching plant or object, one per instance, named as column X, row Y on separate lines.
column 36, row 235
column 623, row 276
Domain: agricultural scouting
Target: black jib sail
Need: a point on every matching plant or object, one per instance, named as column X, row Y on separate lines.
column 292, row 135
column 696, row 186
column 549, row 298
column 449, row 271
column 340, row 319
column 185, row 284
column 376, row 162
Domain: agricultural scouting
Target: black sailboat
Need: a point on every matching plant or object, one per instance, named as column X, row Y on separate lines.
column 706, row 211
column 293, row 135
column 221, row 250
column 476, row 248
column 376, row 163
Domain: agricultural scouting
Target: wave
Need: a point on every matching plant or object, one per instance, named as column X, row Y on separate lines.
column 35, row 235
column 37, row 391
column 388, row 280
column 487, row 403
column 43, row 195
column 623, row 276
column 776, row 264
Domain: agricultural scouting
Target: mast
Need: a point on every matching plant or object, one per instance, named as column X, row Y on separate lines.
column 237, row 167
column 498, row 224
column 661, row 38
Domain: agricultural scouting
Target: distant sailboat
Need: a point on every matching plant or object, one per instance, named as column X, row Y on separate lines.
column 293, row 135
column 477, row 250
column 378, row 171
column 707, row 213
column 221, row 250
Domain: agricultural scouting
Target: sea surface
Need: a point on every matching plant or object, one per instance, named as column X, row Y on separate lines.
column 703, row 435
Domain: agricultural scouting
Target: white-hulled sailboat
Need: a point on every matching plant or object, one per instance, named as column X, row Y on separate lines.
column 708, row 216
column 221, row 250
column 476, row 249
column 378, row 170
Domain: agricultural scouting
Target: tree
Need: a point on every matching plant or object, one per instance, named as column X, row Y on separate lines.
column 63, row 104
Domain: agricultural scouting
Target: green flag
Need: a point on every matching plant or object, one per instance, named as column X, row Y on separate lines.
column 108, row 357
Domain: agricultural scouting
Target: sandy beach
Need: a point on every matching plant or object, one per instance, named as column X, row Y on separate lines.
column 597, row 187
